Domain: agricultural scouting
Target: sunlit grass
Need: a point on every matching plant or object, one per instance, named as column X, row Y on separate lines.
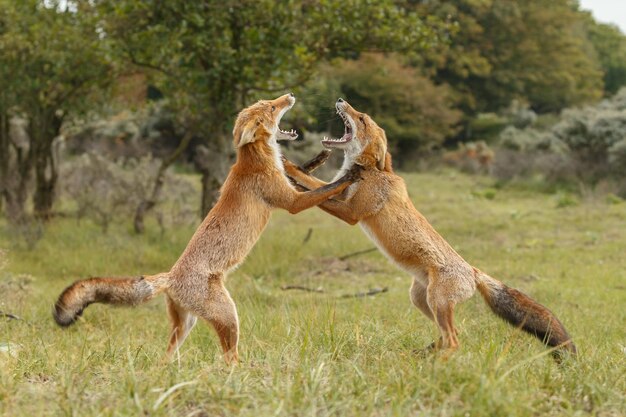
column 316, row 353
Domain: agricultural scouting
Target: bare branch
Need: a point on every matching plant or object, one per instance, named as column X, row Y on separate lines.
column 302, row 288
column 373, row 291
column 357, row 253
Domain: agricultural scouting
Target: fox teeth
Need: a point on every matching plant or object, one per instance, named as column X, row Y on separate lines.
column 326, row 139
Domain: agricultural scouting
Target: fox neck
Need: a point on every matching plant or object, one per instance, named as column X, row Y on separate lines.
column 277, row 154
column 350, row 155
column 262, row 154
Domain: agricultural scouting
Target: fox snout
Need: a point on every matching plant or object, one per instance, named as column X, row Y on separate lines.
column 287, row 100
column 343, row 106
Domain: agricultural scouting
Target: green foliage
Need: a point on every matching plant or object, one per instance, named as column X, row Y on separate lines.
column 586, row 144
column 212, row 58
column 50, row 59
column 531, row 140
column 51, row 62
column 617, row 157
column 610, row 45
column 506, row 49
column 596, row 132
column 486, row 126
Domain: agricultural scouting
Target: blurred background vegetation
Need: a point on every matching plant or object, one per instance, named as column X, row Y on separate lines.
column 108, row 108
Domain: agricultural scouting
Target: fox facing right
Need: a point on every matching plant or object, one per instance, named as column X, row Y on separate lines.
column 380, row 204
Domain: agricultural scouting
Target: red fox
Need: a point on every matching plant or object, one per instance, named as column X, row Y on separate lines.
column 194, row 286
column 441, row 277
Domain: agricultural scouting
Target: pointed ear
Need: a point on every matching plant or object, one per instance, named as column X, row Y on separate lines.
column 381, row 156
column 248, row 134
column 388, row 165
column 374, row 154
column 251, row 132
column 380, row 151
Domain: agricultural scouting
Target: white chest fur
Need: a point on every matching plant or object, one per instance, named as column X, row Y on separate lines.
column 278, row 161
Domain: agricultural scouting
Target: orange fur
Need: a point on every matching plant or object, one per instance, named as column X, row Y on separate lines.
column 441, row 277
column 195, row 286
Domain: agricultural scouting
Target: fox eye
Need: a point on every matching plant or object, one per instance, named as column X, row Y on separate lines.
column 362, row 119
column 273, row 108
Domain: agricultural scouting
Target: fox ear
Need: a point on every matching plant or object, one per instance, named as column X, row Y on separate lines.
column 248, row 134
column 374, row 154
column 381, row 157
column 251, row 132
column 380, row 152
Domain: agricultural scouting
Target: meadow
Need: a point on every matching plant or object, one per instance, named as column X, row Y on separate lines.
column 319, row 353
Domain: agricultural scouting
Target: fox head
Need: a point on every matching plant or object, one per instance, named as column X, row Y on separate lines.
column 363, row 142
column 260, row 121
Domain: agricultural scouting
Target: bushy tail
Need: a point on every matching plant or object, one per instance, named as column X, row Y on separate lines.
column 522, row 311
column 119, row 291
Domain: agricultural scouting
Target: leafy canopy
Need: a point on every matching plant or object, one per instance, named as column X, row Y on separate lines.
column 213, row 57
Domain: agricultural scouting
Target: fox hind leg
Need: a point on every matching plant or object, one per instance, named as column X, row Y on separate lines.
column 418, row 298
column 182, row 322
column 220, row 311
column 441, row 300
column 418, row 293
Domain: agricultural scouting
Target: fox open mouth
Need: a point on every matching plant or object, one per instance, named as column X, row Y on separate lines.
column 347, row 136
column 286, row 134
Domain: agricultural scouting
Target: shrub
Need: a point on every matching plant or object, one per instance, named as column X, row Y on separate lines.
column 587, row 145
column 617, row 158
column 105, row 190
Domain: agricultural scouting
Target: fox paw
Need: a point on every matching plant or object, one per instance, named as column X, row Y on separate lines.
column 354, row 174
column 317, row 161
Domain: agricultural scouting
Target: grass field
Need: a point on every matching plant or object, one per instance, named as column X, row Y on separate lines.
column 317, row 354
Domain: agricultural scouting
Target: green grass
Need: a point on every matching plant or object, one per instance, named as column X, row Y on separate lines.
column 310, row 354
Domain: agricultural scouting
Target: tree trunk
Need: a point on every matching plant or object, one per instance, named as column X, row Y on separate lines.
column 16, row 158
column 148, row 204
column 4, row 156
column 140, row 214
column 45, row 188
column 212, row 161
column 210, row 192
column 44, row 132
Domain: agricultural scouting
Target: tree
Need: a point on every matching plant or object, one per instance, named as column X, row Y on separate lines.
column 211, row 58
column 610, row 46
column 534, row 50
column 51, row 59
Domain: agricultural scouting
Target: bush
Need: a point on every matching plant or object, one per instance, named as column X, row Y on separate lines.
column 128, row 134
column 487, row 126
column 587, row 145
column 105, row 190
